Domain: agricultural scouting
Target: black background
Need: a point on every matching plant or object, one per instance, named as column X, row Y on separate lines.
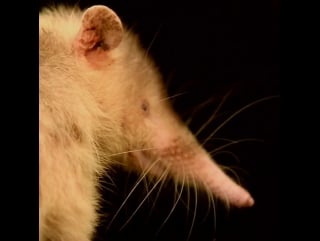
column 207, row 49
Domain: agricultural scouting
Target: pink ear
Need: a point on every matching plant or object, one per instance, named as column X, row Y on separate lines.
column 100, row 32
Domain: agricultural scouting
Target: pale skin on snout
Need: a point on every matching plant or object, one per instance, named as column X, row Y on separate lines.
column 100, row 95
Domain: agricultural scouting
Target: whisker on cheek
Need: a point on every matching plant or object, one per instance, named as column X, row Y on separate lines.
column 143, row 201
column 158, row 194
column 194, row 209
column 173, row 207
column 142, row 176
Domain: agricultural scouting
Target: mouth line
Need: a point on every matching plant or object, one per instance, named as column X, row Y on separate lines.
column 149, row 160
column 141, row 156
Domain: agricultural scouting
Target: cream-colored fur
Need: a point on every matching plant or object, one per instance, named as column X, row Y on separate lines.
column 81, row 113
column 96, row 103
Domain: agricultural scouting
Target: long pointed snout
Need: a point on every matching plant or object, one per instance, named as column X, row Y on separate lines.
column 189, row 163
column 220, row 184
column 176, row 151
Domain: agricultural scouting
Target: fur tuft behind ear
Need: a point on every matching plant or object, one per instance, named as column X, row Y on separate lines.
column 101, row 31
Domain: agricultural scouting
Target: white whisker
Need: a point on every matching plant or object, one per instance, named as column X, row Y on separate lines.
column 232, row 143
column 126, row 152
column 173, row 207
column 173, row 96
column 227, row 152
column 157, row 196
column 236, row 113
column 142, row 202
column 195, row 208
column 143, row 175
column 214, row 210
column 198, row 108
column 213, row 115
column 146, row 53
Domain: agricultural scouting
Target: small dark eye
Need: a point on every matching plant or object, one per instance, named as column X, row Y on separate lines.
column 145, row 106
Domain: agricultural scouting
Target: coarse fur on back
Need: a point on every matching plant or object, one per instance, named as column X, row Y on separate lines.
column 100, row 95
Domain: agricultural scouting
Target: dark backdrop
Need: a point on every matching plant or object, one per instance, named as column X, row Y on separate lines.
column 207, row 49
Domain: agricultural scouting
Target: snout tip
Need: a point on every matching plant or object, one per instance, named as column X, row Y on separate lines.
column 246, row 202
column 250, row 202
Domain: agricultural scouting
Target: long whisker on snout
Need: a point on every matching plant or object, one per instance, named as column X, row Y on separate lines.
column 143, row 175
column 197, row 109
column 131, row 151
column 195, row 208
column 174, row 205
column 144, row 199
column 236, row 113
column 213, row 115
column 234, row 142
